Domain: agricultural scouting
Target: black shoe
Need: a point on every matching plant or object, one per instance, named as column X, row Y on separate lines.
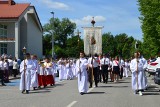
column 23, row 91
column 3, row 84
column 81, row 93
column 96, row 85
column 90, row 86
column 34, row 88
column 27, row 92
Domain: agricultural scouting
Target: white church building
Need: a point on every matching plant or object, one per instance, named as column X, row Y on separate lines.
column 19, row 27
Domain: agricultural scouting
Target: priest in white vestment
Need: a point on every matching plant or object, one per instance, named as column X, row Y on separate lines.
column 25, row 69
column 81, row 66
column 137, row 74
column 34, row 72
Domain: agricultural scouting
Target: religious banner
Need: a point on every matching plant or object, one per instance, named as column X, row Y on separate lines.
column 92, row 40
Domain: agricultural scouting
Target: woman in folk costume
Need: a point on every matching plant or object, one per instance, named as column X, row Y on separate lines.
column 25, row 69
column 137, row 69
column 69, row 70
column 115, row 69
column 81, row 68
column 49, row 72
column 34, row 72
column 42, row 75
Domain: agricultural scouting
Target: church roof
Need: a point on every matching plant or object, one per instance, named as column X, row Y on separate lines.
column 13, row 10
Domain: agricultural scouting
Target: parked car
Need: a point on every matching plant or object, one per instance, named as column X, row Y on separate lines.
column 153, row 65
column 157, row 76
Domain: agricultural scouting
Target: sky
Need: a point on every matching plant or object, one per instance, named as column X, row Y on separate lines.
column 116, row 16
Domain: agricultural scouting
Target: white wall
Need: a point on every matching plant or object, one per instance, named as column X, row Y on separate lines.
column 34, row 37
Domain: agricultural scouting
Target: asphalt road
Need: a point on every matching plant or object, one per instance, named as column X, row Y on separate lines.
column 65, row 94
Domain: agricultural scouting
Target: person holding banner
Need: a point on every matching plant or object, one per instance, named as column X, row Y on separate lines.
column 137, row 69
column 81, row 69
column 93, row 70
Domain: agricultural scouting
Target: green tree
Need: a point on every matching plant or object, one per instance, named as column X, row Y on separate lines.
column 150, row 18
column 47, row 44
column 61, row 30
column 108, row 43
column 73, row 48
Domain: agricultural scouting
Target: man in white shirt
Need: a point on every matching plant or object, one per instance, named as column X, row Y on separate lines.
column 2, row 71
column 105, row 62
column 93, row 68
column 10, row 61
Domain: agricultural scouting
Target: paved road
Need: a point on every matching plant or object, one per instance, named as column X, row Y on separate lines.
column 65, row 94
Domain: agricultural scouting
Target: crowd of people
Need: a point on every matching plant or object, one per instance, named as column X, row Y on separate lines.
column 40, row 73
column 8, row 67
column 98, row 69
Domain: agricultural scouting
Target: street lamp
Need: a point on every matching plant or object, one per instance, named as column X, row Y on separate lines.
column 136, row 45
column 24, row 50
column 52, row 37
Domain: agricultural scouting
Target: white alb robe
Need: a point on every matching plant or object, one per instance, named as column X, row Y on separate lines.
column 25, row 85
column 81, row 66
column 69, row 71
column 133, row 67
column 144, row 76
column 61, row 74
column 34, row 74
column 126, row 69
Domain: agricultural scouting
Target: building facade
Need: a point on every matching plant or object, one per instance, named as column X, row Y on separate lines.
column 19, row 27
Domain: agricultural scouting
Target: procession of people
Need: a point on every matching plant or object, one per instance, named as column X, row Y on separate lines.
column 35, row 74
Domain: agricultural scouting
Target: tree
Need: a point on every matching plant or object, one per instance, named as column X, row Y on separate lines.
column 150, row 18
column 119, row 42
column 72, row 49
column 61, row 30
column 47, row 45
column 108, row 43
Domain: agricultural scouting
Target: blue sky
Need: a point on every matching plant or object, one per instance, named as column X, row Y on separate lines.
column 117, row 16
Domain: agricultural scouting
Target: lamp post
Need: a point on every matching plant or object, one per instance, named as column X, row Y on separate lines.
column 52, row 37
column 78, row 34
column 136, row 45
column 24, row 50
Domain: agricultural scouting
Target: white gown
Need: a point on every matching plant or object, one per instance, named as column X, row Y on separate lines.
column 61, row 74
column 69, row 71
column 34, row 74
column 133, row 67
column 82, row 75
column 25, row 85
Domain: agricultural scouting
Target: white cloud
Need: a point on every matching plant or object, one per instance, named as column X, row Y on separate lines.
column 49, row 4
column 87, row 20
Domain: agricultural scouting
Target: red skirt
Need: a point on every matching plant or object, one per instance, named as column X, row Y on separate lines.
column 50, row 79
column 42, row 80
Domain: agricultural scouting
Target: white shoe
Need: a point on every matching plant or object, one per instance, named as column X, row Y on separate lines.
column 140, row 93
